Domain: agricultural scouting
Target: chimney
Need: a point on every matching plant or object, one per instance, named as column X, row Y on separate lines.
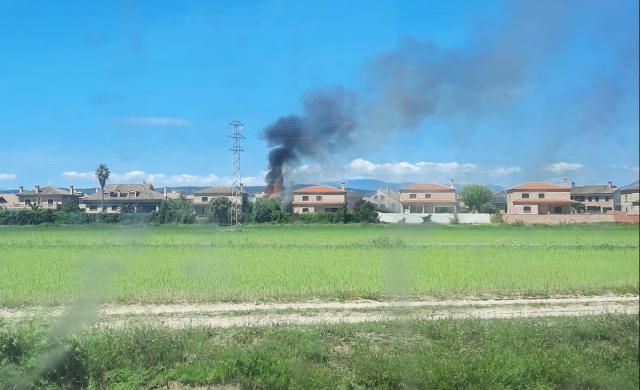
column 573, row 184
column 72, row 190
column 20, row 189
column 610, row 184
column 241, row 188
column 165, row 192
column 565, row 181
column 342, row 185
column 451, row 184
column 37, row 189
column 97, row 190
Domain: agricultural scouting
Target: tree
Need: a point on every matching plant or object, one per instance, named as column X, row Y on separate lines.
column 264, row 209
column 219, row 210
column 475, row 196
column 102, row 174
column 365, row 211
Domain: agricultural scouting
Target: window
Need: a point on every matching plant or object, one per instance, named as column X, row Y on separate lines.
column 557, row 210
column 305, row 210
column 381, row 197
column 527, row 209
column 590, row 199
column 28, row 202
column 93, row 208
column 205, row 199
column 412, row 196
column 606, row 198
column 49, row 202
column 114, row 208
column 540, row 196
column 318, row 197
column 525, row 196
column 427, row 196
column 597, row 198
column 305, row 198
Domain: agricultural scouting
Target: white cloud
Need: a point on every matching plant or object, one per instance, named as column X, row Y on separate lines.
column 504, row 171
column 405, row 171
column 157, row 121
column 79, row 175
column 8, row 176
column 561, row 167
column 161, row 179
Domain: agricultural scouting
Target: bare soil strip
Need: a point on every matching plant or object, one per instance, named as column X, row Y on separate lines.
column 307, row 313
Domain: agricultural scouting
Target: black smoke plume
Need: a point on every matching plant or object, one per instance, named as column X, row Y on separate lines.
column 499, row 78
column 326, row 125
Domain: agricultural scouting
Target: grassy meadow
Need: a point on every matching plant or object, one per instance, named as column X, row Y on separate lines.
column 147, row 264
column 598, row 352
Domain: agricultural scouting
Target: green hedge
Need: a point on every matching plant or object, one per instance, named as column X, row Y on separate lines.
column 38, row 217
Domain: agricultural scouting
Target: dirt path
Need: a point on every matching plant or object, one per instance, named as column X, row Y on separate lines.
column 256, row 314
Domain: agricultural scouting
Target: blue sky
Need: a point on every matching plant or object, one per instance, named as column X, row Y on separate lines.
column 517, row 91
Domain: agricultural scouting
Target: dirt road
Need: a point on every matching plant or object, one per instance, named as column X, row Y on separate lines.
column 303, row 313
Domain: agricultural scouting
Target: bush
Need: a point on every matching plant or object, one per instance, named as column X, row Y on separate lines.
column 365, row 212
column 497, row 218
column 220, row 211
column 174, row 211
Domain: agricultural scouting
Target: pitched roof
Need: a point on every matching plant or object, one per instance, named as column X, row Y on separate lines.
column 632, row 189
column 146, row 191
column 427, row 187
column 8, row 198
column 593, row 189
column 538, row 187
column 319, row 190
column 47, row 191
column 214, row 191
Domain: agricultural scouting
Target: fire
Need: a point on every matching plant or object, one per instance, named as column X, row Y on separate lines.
column 271, row 189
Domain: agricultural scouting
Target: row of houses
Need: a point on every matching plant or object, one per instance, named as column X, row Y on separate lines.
column 527, row 198
column 118, row 198
column 421, row 198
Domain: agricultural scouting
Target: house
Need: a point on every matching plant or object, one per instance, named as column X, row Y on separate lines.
column 539, row 198
column 48, row 197
column 319, row 199
column 386, row 200
column 10, row 201
column 203, row 198
column 124, row 198
column 629, row 200
column 428, row 198
column 593, row 198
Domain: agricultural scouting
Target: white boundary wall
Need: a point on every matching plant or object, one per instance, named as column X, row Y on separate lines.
column 444, row 218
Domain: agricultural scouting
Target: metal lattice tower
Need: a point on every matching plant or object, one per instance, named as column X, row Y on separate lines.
column 236, row 187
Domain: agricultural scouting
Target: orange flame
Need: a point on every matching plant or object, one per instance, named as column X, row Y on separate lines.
column 271, row 189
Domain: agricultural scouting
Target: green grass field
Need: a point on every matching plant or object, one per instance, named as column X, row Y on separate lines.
column 51, row 265
column 566, row 353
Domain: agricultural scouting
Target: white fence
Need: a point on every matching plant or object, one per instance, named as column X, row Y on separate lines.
column 445, row 218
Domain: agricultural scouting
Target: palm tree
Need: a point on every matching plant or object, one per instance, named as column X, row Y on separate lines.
column 102, row 174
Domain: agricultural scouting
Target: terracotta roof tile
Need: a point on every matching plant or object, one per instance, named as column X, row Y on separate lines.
column 538, row 187
column 423, row 187
column 319, row 190
column 214, row 191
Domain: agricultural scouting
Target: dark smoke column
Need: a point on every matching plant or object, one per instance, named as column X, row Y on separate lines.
column 327, row 123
